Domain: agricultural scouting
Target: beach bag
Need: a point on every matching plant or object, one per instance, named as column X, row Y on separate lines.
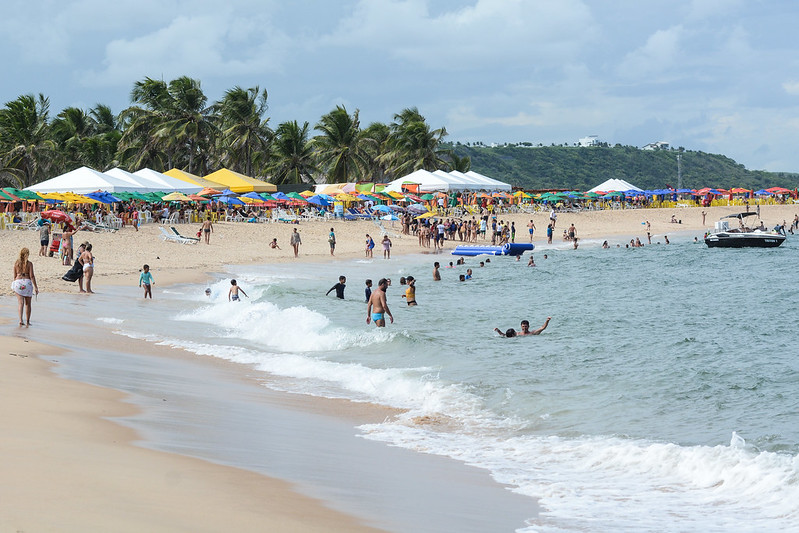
column 74, row 273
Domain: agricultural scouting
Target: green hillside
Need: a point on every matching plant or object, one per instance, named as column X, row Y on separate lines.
column 583, row 168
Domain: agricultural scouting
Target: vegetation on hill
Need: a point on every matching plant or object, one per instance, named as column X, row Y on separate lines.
column 577, row 168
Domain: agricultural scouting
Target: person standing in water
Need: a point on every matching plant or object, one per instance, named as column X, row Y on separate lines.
column 233, row 294
column 338, row 287
column 24, row 285
column 146, row 280
column 377, row 308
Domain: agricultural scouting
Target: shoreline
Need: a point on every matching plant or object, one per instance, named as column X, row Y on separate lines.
column 451, row 482
column 76, row 469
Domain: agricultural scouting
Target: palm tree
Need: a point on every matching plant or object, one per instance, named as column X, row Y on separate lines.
column 413, row 145
column 168, row 125
column 461, row 164
column 139, row 146
column 339, row 147
column 245, row 135
column 375, row 140
column 292, row 158
column 26, row 148
column 188, row 125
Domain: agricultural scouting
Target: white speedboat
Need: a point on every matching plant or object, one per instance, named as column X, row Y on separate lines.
column 723, row 236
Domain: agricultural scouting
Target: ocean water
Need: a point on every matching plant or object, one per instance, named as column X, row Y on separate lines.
column 662, row 397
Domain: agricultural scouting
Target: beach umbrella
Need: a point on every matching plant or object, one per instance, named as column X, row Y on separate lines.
column 280, row 195
column 429, row 196
column 344, row 197
column 175, row 197
column 229, row 200
column 56, row 215
column 297, row 196
column 391, row 217
column 252, row 195
column 425, row 215
column 197, row 198
column 267, row 197
column 318, row 200
column 382, row 208
column 208, row 191
column 306, row 194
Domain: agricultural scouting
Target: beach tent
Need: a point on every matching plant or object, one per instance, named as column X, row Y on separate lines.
column 239, row 182
column 162, row 182
column 448, row 182
column 427, row 181
column 615, row 185
column 190, row 178
column 84, row 180
column 492, row 184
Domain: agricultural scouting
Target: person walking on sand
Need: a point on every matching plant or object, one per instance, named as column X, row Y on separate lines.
column 370, row 246
column 386, row 247
column 207, row 228
column 331, row 239
column 44, row 237
column 531, row 229
column 377, row 307
column 233, row 293
column 87, row 260
column 146, row 280
column 705, row 214
column 295, row 242
column 66, row 244
column 24, row 285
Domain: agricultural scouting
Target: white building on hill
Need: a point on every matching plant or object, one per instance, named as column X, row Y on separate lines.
column 660, row 145
column 591, row 140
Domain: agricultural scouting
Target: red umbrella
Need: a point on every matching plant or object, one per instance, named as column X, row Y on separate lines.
column 56, row 216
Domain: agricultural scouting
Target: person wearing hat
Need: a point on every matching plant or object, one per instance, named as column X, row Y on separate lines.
column 44, row 236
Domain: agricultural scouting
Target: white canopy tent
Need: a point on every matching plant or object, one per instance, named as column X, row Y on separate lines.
column 164, row 183
column 615, row 185
column 448, row 181
column 85, row 180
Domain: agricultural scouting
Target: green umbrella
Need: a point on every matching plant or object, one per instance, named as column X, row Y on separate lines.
column 25, row 195
column 296, row 196
column 267, row 197
column 427, row 196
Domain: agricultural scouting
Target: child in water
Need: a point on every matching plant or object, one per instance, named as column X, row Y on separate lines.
column 233, row 295
column 146, row 280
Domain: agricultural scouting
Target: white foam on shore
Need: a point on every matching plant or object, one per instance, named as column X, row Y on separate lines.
column 110, row 320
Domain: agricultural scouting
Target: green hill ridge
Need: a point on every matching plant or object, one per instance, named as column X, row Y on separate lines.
column 582, row 168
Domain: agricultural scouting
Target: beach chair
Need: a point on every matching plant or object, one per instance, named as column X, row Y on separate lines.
column 177, row 233
column 351, row 212
column 94, row 226
column 171, row 237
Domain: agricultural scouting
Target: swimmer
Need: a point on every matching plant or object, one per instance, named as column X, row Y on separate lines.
column 377, row 308
column 339, row 287
column 468, row 273
column 525, row 329
column 531, row 262
column 208, row 292
column 233, row 294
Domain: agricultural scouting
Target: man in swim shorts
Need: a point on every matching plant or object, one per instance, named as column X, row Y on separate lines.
column 377, row 307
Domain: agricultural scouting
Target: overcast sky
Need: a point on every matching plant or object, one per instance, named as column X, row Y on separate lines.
column 719, row 76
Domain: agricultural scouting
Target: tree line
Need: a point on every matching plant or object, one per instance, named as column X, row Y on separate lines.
column 173, row 125
column 573, row 168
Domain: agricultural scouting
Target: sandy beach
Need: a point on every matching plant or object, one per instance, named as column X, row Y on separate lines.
column 120, row 256
column 69, row 467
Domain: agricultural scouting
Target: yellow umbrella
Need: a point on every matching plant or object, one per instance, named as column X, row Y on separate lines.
column 426, row 215
column 175, row 197
column 344, row 197
column 395, row 194
column 307, row 193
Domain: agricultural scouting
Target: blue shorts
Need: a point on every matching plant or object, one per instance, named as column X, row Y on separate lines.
column 377, row 316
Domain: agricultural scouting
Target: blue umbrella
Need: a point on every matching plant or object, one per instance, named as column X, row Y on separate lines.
column 318, row 200
column 382, row 208
column 229, row 200
column 280, row 196
column 390, row 217
column 253, row 195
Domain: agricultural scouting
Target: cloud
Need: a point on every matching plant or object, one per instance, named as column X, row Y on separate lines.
column 483, row 33
column 218, row 44
column 658, row 55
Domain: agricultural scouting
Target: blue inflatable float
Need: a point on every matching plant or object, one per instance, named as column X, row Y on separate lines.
column 506, row 249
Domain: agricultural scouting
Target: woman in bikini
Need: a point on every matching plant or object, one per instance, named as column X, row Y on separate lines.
column 24, row 284
column 87, row 260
